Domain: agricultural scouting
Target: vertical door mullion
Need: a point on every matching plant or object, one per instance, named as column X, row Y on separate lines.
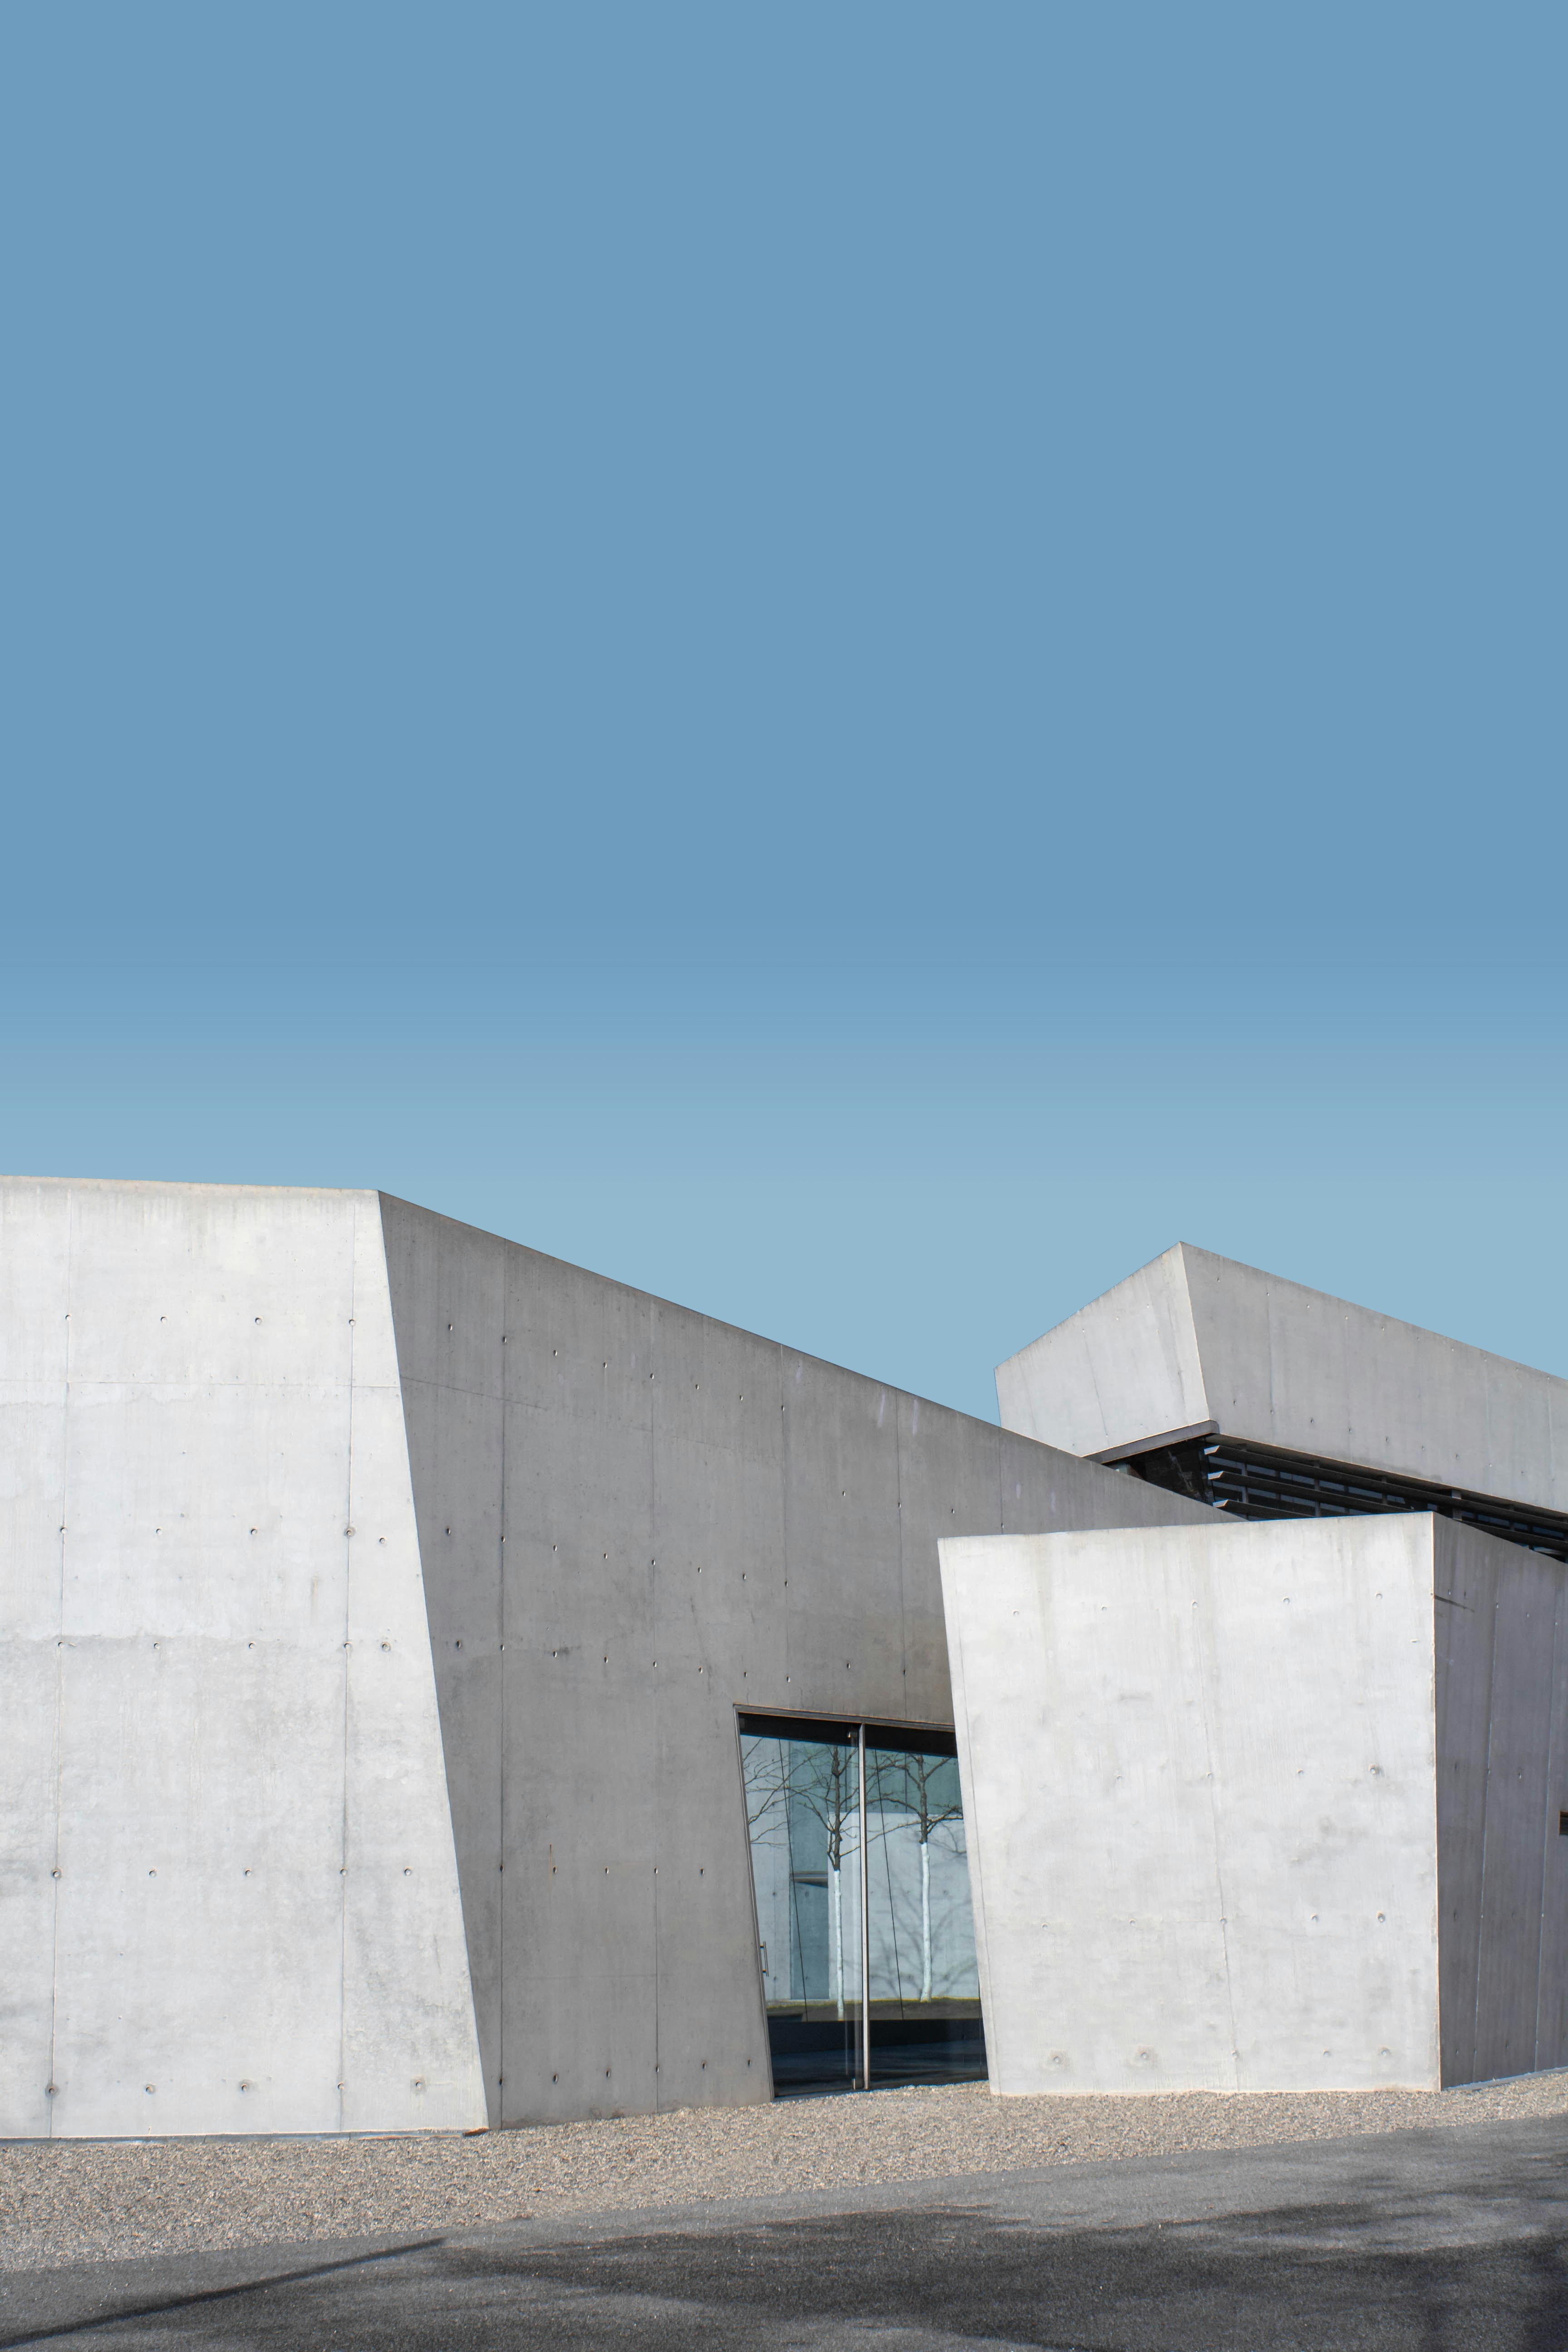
column 865, row 1932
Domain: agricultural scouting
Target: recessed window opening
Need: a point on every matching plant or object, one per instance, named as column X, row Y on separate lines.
column 862, row 1877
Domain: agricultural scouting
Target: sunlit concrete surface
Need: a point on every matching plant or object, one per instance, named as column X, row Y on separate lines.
column 231, row 1898
column 1263, row 1807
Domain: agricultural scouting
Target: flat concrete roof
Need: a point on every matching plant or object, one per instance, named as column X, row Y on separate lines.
column 1194, row 1343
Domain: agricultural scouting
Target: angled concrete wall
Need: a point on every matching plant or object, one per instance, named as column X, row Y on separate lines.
column 1193, row 1340
column 635, row 1520
column 1263, row 1807
column 228, row 1893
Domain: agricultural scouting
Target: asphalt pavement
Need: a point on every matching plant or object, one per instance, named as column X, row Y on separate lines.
column 1428, row 2239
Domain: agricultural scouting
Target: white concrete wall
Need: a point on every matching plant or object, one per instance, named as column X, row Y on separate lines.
column 228, row 1893
column 1194, row 1338
column 1198, row 1770
column 1122, row 1368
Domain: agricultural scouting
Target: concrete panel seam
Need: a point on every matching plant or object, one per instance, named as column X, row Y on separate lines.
column 1485, row 1823
column 348, row 1620
column 1546, row 1821
column 1208, row 1617
column 973, row 1845
column 495, row 2096
column 60, row 1670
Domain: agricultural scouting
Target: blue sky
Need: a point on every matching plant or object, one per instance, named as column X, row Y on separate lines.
column 854, row 665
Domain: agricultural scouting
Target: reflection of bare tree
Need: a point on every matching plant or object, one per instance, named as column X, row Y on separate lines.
column 819, row 1780
column 926, row 1789
column 764, row 1765
column 823, row 1781
column 790, row 1782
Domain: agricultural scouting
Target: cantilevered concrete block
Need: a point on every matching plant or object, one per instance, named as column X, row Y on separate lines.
column 1194, row 1343
column 1263, row 1807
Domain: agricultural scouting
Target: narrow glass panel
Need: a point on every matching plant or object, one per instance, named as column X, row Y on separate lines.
column 803, row 1808
column 925, row 1987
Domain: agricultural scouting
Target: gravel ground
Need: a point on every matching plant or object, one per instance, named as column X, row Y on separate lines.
column 79, row 2201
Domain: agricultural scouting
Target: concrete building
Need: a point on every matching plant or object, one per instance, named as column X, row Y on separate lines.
column 448, row 1688
column 382, row 1605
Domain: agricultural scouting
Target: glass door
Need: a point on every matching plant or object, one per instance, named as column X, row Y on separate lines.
column 925, row 2024
column 861, row 1879
column 803, row 1811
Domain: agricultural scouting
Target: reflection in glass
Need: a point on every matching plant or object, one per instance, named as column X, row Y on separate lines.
column 803, row 1805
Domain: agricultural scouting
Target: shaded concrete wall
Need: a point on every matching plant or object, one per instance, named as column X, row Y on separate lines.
column 1501, row 1638
column 633, row 1521
column 1193, row 1338
column 228, row 1892
column 1198, row 1768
